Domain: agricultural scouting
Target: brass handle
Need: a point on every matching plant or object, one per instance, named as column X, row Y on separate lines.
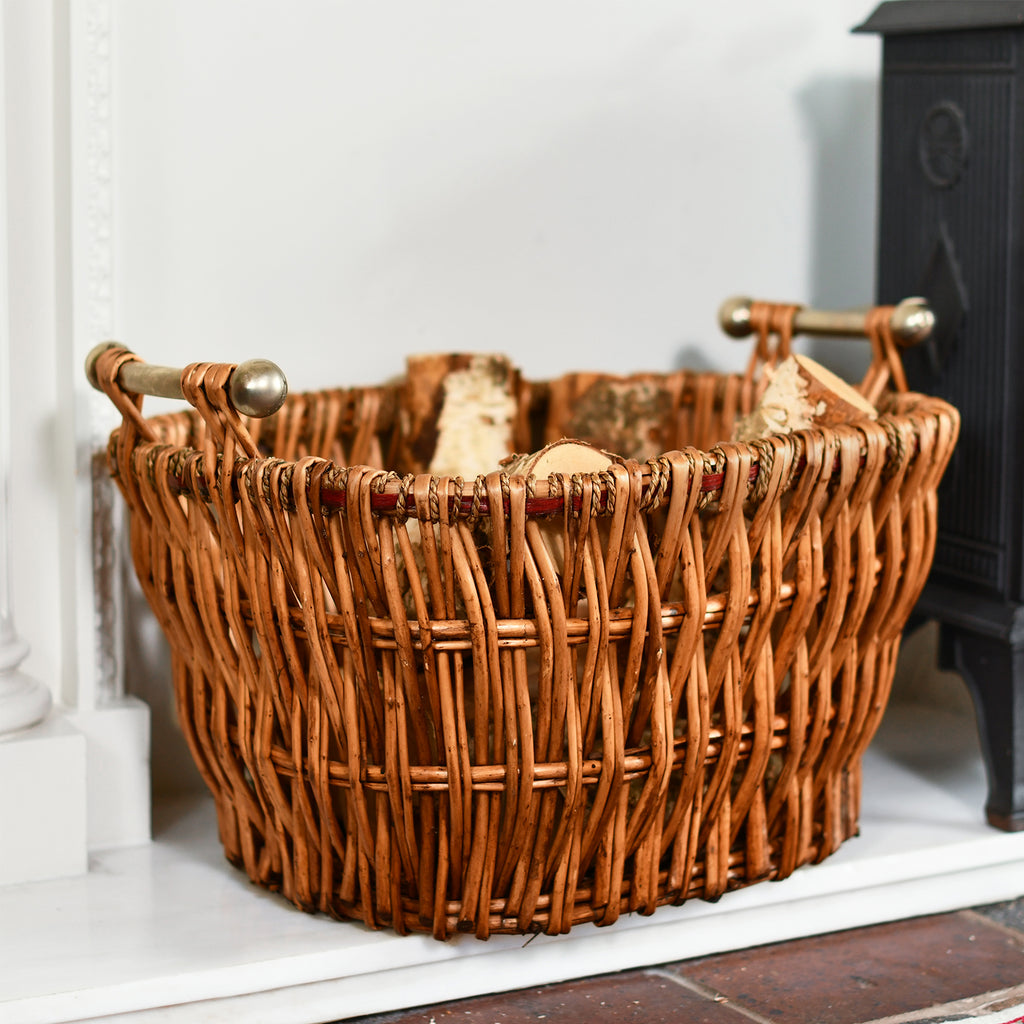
column 257, row 387
column 912, row 321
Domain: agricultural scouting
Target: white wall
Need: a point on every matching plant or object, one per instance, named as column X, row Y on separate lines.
column 336, row 183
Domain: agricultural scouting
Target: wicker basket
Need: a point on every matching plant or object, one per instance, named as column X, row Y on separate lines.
column 411, row 715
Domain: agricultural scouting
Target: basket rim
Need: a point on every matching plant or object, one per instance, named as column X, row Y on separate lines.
column 468, row 498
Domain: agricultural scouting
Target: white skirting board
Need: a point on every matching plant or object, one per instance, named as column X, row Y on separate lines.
column 170, row 932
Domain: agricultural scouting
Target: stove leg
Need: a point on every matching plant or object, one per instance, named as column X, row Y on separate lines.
column 993, row 669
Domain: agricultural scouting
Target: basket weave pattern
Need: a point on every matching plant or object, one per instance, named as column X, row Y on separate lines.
column 516, row 705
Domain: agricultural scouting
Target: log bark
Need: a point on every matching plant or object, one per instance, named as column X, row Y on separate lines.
column 630, row 415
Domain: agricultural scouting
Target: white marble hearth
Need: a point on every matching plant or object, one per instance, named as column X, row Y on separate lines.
column 171, row 932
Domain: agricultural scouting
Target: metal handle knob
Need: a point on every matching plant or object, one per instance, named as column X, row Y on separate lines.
column 257, row 387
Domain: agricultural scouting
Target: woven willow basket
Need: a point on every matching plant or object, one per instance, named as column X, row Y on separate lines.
column 411, row 714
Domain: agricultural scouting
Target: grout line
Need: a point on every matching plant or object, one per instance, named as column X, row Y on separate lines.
column 1006, row 929
column 708, row 993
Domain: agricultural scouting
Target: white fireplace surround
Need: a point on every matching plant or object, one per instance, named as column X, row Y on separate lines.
column 90, row 757
column 334, row 184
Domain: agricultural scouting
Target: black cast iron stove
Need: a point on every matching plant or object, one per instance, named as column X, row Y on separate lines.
column 951, row 228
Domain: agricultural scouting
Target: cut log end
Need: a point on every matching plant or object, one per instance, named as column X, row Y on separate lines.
column 566, row 456
column 802, row 393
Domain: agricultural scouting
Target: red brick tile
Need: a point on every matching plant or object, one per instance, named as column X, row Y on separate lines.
column 633, row 997
column 867, row 973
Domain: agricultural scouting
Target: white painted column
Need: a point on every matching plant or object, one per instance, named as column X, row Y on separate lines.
column 42, row 756
column 24, row 701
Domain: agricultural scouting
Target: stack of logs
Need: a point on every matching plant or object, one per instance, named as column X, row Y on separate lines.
column 462, row 416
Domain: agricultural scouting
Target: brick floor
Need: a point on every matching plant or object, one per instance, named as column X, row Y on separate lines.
column 935, row 968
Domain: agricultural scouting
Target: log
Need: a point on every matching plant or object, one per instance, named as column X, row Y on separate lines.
column 629, row 415
column 458, row 413
column 802, row 393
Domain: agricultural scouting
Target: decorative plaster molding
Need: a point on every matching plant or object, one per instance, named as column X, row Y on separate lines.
column 99, row 168
column 93, row 273
column 116, row 727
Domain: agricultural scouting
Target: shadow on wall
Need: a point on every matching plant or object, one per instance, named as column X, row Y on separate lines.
column 841, row 119
column 840, row 122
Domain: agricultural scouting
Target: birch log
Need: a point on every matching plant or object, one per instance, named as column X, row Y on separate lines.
column 459, row 413
column 802, row 393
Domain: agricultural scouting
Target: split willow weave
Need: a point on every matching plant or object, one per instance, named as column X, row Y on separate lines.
column 514, row 705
